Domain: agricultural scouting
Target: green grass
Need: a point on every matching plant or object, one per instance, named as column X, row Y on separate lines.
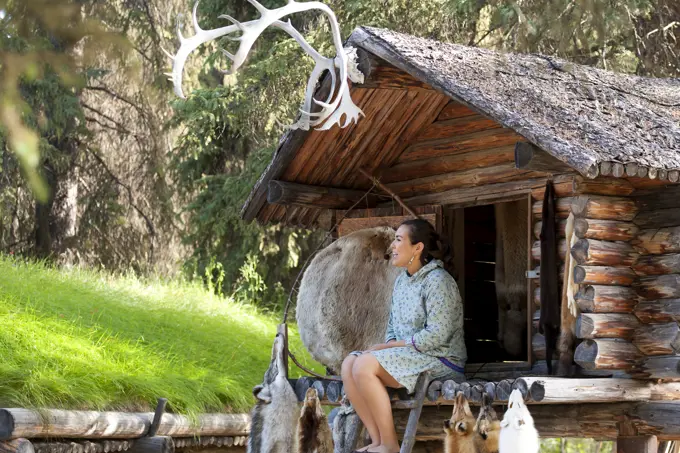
column 86, row 340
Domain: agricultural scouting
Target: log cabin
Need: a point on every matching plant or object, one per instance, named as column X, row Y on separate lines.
column 454, row 133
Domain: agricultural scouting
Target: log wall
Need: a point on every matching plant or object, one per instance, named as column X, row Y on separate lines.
column 610, row 337
column 658, row 273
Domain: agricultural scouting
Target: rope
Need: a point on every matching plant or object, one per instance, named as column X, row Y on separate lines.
column 307, row 370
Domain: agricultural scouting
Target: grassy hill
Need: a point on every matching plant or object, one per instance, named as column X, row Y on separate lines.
column 87, row 340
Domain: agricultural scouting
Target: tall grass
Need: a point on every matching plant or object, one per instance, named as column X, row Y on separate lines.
column 87, row 340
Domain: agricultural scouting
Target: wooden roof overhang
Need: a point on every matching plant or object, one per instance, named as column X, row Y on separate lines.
column 424, row 143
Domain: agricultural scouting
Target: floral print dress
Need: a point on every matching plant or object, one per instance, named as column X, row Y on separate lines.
column 427, row 313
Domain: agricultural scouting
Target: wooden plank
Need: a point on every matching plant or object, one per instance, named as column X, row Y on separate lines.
column 493, row 138
column 467, row 178
column 456, row 127
column 446, row 164
column 455, row 110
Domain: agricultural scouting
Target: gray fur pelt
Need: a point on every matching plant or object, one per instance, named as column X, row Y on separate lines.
column 346, row 423
column 273, row 425
column 345, row 296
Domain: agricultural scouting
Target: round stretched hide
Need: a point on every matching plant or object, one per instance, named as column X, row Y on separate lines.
column 345, row 296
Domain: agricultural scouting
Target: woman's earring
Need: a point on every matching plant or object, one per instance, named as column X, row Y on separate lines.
column 411, row 260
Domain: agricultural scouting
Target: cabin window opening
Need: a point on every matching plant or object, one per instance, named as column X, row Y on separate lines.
column 490, row 270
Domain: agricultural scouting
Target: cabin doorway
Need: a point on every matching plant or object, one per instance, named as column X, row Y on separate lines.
column 490, row 266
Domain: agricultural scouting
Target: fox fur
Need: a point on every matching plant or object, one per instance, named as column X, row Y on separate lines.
column 459, row 429
column 314, row 432
column 488, row 428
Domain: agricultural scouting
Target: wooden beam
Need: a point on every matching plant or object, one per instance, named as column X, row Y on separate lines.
column 531, row 157
column 659, row 287
column 658, row 264
column 604, row 275
column 606, row 230
column 317, row 197
column 606, row 325
column 658, row 339
column 657, row 241
column 593, row 252
column 606, row 299
column 604, row 207
column 658, row 311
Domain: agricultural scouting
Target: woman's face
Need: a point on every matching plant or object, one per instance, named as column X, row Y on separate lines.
column 402, row 249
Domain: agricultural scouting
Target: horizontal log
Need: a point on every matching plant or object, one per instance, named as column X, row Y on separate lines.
column 593, row 252
column 606, row 325
column 603, row 186
column 318, row 197
column 658, row 311
column 454, row 127
column 658, row 339
column 596, row 420
column 606, row 299
column 658, row 264
column 561, row 250
column 606, row 354
column 654, row 200
column 455, row 110
column 659, row 286
column 530, row 157
column 604, row 208
column 562, row 207
column 17, row 446
column 657, row 241
column 606, row 230
column 659, row 218
column 660, row 367
column 604, row 275
column 18, row 422
column 80, row 446
column 466, row 178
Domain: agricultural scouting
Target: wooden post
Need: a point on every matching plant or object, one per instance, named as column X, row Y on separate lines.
column 636, row 444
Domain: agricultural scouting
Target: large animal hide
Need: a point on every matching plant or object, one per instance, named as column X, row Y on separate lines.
column 549, row 321
column 345, row 296
column 510, row 278
column 274, row 418
column 346, row 427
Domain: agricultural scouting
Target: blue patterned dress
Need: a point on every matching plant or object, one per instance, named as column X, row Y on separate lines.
column 427, row 313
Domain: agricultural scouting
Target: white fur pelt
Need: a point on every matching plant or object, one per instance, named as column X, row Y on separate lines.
column 510, row 280
column 273, row 425
column 518, row 434
column 345, row 296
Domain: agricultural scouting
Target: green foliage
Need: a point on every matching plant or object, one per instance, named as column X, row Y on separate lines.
column 90, row 340
column 575, row 446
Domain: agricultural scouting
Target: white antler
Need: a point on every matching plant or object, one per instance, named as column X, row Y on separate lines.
column 332, row 109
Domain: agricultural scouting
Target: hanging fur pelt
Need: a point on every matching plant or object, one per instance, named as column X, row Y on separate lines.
column 518, row 433
column 346, row 423
column 314, row 432
column 568, row 309
column 549, row 321
column 345, row 295
column 274, row 418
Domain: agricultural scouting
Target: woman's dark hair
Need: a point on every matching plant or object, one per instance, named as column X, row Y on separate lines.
column 435, row 246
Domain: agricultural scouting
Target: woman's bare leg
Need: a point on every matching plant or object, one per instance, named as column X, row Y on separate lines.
column 371, row 379
column 358, row 402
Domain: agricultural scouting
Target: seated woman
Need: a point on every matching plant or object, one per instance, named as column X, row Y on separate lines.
column 424, row 333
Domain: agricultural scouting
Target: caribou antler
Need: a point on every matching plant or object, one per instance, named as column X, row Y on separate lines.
column 332, row 109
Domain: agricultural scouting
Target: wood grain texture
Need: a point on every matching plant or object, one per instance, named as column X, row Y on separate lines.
column 606, row 325
column 606, row 299
column 606, row 354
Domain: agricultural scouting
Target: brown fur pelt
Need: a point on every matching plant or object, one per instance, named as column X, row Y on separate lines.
column 487, row 428
column 567, row 338
column 314, row 432
column 345, row 296
column 510, row 278
column 460, row 437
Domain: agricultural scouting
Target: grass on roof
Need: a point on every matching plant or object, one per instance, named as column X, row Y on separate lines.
column 87, row 340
